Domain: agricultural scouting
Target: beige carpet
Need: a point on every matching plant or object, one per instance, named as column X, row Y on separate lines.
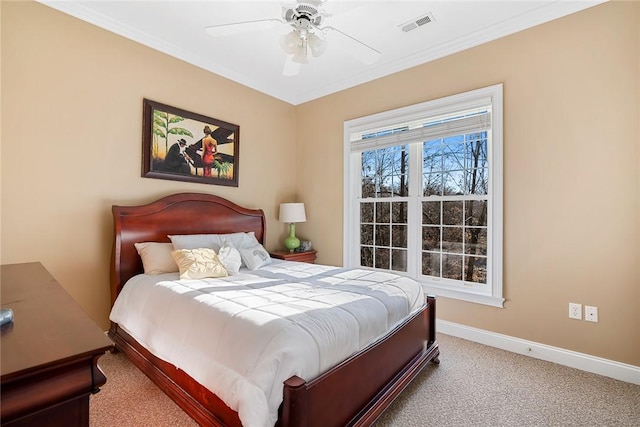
column 129, row 398
column 474, row 385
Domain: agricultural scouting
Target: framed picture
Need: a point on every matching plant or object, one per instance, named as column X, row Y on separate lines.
column 184, row 146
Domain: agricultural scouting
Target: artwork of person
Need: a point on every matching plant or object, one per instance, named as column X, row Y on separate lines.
column 177, row 159
column 209, row 150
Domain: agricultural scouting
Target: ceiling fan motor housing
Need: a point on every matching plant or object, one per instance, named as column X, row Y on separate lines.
column 303, row 15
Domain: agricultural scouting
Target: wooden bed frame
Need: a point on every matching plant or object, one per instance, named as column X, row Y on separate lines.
column 353, row 393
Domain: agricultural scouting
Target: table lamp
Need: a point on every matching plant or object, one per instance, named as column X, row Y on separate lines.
column 291, row 213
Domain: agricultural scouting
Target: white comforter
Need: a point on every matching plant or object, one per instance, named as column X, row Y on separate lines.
column 242, row 336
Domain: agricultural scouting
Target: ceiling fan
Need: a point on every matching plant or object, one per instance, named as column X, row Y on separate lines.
column 308, row 36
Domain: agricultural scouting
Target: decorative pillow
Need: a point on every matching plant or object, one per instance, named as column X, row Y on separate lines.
column 156, row 257
column 255, row 256
column 198, row 263
column 213, row 241
column 230, row 258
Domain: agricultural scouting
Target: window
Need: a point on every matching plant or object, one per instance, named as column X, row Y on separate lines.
column 423, row 194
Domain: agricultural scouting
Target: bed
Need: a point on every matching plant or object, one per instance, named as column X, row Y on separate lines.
column 353, row 392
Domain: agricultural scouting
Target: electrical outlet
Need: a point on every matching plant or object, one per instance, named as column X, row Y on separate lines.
column 590, row 313
column 575, row 311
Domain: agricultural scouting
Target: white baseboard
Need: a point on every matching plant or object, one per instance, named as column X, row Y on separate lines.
column 584, row 362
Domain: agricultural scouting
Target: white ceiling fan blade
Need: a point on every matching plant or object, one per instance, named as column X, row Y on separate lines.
column 242, row 27
column 359, row 50
column 290, row 68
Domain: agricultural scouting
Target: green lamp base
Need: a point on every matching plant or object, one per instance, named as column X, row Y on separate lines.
column 292, row 242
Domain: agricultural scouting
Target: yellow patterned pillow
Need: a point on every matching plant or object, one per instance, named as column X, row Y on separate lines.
column 198, row 263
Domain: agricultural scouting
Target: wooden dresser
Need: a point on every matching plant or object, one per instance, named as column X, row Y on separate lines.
column 49, row 352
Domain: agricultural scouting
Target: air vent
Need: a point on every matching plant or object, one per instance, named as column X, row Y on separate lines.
column 418, row 22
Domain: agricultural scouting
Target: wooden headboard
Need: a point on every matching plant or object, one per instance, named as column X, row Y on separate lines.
column 183, row 213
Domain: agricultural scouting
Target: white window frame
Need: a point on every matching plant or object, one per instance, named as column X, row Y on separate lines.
column 492, row 295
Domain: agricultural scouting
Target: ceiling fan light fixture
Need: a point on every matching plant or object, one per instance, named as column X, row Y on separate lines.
column 307, row 34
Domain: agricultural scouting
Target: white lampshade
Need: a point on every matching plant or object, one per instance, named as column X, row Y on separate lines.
column 289, row 42
column 316, row 44
column 300, row 54
column 292, row 212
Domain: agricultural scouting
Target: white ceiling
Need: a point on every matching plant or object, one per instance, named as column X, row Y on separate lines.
column 256, row 59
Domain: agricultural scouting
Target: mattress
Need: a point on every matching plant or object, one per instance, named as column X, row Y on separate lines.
column 242, row 336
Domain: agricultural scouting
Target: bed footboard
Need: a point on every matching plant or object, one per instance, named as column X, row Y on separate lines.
column 353, row 393
column 358, row 390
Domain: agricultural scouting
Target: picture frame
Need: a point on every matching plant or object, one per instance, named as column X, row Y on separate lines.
column 180, row 145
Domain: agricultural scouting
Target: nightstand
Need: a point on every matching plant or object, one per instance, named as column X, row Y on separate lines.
column 307, row 256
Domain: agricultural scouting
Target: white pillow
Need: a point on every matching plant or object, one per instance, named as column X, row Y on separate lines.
column 230, row 258
column 156, row 257
column 255, row 256
column 213, row 241
column 247, row 241
column 198, row 263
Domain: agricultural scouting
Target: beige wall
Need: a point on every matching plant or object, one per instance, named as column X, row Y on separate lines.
column 571, row 176
column 71, row 125
column 71, row 142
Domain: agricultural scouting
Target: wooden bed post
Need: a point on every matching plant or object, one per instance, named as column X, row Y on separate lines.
column 431, row 301
column 295, row 394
